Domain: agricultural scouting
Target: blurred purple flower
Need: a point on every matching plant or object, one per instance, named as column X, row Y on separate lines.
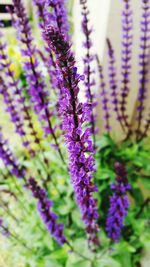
column 127, row 42
column 8, row 158
column 119, row 203
column 78, row 141
column 113, row 82
column 143, row 62
column 89, row 71
column 38, row 93
column 15, row 101
column 44, row 206
column 104, row 98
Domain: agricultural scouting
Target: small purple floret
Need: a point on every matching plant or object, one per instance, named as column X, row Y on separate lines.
column 119, row 203
column 44, row 206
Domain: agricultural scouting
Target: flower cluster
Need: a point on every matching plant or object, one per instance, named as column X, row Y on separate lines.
column 16, row 105
column 50, row 62
column 44, row 206
column 44, row 13
column 119, row 203
column 11, row 108
column 79, row 144
column 113, row 81
column 104, row 97
column 88, row 61
column 9, row 160
column 127, row 25
column 143, row 62
column 58, row 16
column 38, row 94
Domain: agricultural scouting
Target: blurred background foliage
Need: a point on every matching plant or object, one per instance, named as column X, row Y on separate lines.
column 36, row 248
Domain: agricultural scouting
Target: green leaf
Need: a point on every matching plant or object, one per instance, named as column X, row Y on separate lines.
column 76, row 217
column 104, row 142
column 79, row 264
column 108, row 262
column 51, row 263
column 124, row 257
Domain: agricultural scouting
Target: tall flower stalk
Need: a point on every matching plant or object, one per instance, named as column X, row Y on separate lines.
column 42, row 12
column 103, row 97
column 17, row 107
column 113, row 82
column 88, row 69
column 13, row 111
column 143, row 62
column 8, row 158
column 127, row 26
column 78, row 141
column 38, row 94
column 119, row 203
column 44, row 15
column 44, row 206
column 13, row 92
column 58, row 16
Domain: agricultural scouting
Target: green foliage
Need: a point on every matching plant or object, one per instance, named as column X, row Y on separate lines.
column 35, row 248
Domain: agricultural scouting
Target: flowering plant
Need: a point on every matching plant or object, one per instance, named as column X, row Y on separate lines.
column 62, row 160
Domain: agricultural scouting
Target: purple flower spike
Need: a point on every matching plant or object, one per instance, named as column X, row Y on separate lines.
column 12, row 109
column 39, row 96
column 119, row 203
column 43, row 15
column 143, row 62
column 113, row 82
column 43, row 12
column 58, row 16
column 104, row 98
column 13, row 97
column 78, row 141
column 88, row 69
column 127, row 26
column 9, row 160
column 44, row 206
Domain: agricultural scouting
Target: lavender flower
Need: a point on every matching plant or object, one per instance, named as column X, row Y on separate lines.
column 58, row 17
column 13, row 96
column 42, row 12
column 44, row 206
column 79, row 145
column 38, row 94
column 54, row 12
column 12, row 109
column 9, row 160
column 119, row 203
column 104, row 98
column 127, row 25
column 113, row 82
column 88, row 60
column 143, row 62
